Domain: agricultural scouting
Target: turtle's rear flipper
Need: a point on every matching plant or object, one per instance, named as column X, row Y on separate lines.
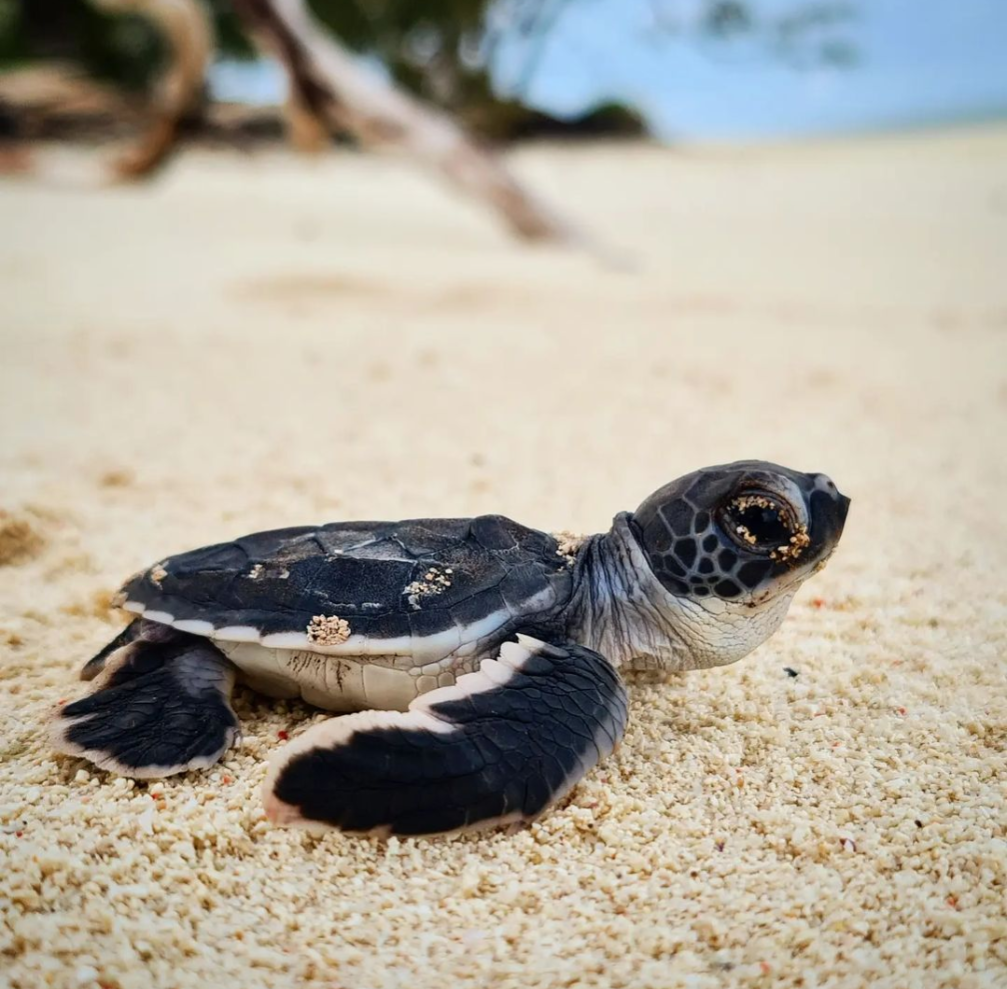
column 96, row 663
column 160, row 705
column 499, row 746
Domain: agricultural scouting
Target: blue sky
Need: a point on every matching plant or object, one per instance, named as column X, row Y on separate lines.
column 920, row 61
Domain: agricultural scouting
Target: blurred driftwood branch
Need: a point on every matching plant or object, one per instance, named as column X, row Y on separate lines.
column 186, row 28
column 329, row 86
column 330, row 93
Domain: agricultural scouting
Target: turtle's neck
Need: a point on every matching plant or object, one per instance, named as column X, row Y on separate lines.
column 618, row 607
column 621, row 610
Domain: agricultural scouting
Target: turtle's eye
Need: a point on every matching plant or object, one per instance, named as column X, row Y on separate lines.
column 758, row 521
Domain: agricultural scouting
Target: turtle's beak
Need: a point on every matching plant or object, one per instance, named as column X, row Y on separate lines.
column 844, row 507
column 827, row 508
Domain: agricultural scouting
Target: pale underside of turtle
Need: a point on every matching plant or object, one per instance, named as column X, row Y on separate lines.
column 479, row 655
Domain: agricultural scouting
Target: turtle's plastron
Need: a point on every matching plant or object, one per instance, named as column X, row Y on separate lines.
column 160, row 705
column 500, row 746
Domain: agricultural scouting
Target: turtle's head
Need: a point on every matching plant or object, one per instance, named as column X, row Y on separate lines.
column 704, row 570
column 746, row 533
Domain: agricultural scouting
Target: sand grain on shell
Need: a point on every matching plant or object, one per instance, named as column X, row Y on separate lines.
column 840, row 827
column 328, row 630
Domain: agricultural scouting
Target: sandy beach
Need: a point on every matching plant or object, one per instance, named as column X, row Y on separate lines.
column 253, row 342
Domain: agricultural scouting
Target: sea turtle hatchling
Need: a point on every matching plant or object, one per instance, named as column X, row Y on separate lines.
column 481, row 656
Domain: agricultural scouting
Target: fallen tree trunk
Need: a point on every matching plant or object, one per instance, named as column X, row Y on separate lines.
column 328, row 83
column 186, row 27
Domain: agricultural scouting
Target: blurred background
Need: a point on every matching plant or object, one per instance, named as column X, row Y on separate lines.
column 360, row 174
column 671, row 209
column 677, row 70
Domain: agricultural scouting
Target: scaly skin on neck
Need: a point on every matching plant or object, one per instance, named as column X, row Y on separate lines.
column 621, row 610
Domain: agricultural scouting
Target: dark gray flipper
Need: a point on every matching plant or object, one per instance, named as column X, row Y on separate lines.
column 499, row 746
column 160, row 705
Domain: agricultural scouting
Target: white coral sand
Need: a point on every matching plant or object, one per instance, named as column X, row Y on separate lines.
column 254, row 343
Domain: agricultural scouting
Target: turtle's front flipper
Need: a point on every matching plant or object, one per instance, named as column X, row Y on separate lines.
column 499, row 746
column 160, row 706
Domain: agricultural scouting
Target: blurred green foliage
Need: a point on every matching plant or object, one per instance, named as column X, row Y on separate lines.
column 124, row 49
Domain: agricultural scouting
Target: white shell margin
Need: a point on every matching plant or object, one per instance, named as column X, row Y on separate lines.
column 428, row 648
